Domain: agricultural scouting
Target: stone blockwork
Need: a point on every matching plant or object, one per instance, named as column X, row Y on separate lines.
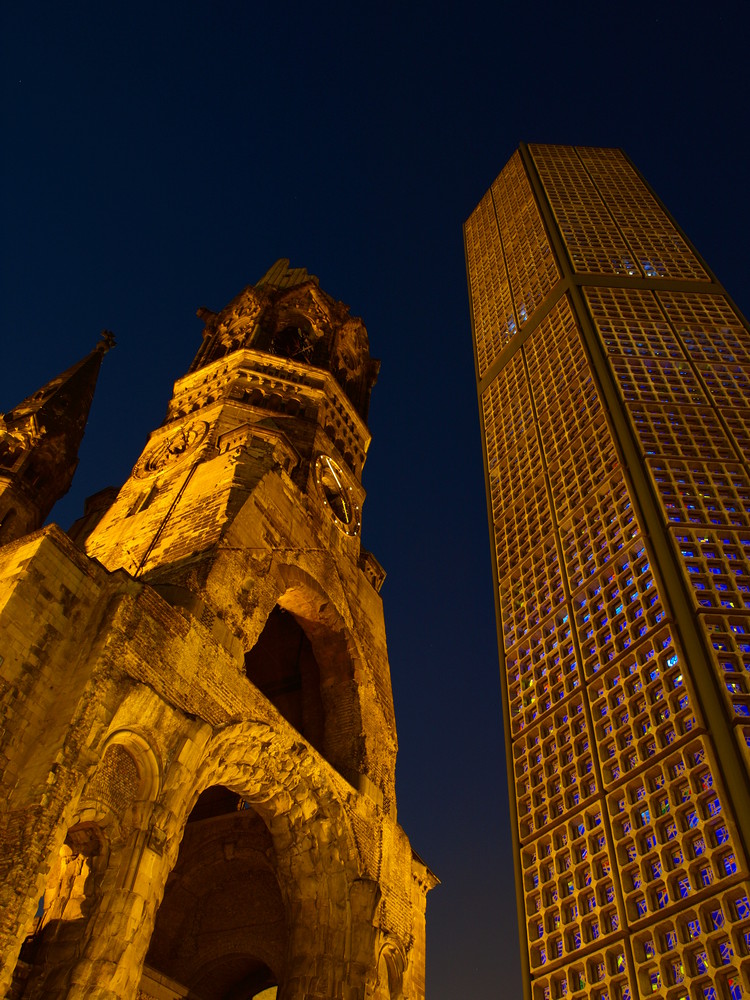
column 197, row 739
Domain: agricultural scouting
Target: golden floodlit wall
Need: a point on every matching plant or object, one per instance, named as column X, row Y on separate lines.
column 198, row 740
column 613, row 377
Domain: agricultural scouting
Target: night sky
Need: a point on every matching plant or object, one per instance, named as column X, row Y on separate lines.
column 160, row 157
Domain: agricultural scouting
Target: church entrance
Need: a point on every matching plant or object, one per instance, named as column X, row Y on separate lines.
column 221, row 930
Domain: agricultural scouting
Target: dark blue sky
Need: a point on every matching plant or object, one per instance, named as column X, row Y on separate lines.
column 158, row 157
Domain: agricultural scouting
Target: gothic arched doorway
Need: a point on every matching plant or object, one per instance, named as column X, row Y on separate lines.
column 221, row 931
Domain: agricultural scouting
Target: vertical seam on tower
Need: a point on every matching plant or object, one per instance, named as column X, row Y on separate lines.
column 623, row 934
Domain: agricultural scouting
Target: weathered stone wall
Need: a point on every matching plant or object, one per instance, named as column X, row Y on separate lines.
column 122, row 734
column 126, row 699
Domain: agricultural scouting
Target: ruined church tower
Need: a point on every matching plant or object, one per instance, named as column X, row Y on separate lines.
column 197, row 739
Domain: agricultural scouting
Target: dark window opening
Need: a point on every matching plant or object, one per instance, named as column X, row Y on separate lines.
column 215, row 801
column 283, row 667
column 293, row 342
column 8, row 518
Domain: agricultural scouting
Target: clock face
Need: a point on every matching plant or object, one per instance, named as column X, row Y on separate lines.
column 171, row 449
column 337, row 495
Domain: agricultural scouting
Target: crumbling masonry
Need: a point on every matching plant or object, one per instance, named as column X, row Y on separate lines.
column 197, row 738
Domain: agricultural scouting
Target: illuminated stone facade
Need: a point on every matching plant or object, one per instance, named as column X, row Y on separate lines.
column 613, row 376
column 198, row 739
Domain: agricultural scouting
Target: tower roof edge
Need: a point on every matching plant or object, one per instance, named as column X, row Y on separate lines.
column 281, row 275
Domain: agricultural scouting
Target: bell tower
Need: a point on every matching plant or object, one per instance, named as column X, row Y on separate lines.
column 222, row 818
column 282, row 381
column 261, row 453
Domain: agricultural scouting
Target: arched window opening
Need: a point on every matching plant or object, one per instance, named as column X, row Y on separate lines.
column 33, row 474
column 221, row 929
column 283, row 667
column 295, row 341
column 8, row 520
column 8, row 454
column 64, row 909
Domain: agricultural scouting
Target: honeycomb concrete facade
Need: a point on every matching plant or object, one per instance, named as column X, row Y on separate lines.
column 613, row 374
column 198, row 739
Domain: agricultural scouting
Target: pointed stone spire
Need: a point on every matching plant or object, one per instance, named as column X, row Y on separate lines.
column 39, row 442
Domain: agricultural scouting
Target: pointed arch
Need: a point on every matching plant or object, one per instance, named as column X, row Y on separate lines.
column 338, row 676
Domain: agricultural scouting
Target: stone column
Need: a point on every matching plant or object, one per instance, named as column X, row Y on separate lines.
column 332, row 943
